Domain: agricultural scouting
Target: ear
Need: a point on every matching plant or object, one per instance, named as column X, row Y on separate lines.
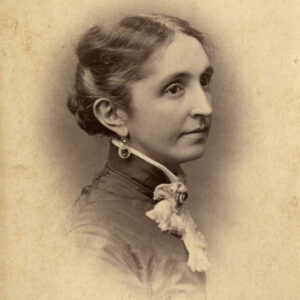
column 111, row 117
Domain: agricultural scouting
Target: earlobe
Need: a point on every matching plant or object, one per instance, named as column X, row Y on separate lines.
column 110, row 117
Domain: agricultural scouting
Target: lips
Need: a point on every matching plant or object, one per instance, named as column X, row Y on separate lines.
column 197, row 130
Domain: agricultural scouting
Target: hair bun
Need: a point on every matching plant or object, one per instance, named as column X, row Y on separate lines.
column 72, row 104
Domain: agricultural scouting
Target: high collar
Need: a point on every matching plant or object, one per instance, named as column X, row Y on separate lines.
column 136, row 169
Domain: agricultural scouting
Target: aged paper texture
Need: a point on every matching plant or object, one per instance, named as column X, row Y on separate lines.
column 244, row 191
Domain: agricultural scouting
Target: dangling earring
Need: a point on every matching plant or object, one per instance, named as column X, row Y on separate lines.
column 124, row 150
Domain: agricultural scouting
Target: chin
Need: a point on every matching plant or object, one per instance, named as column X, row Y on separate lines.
column 192, row 154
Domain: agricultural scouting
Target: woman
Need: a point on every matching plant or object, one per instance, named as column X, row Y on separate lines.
column 145, row 85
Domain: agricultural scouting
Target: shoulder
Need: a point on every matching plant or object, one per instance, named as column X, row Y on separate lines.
column 113, row 207
column 110, row 228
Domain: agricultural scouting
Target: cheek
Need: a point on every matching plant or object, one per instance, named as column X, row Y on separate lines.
column 148, row 130
column 151, row 126
column 156, row 122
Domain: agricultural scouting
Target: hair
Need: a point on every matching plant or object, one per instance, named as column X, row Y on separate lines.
column 108, row 60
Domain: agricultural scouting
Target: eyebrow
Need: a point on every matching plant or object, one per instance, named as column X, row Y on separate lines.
column 209, row 70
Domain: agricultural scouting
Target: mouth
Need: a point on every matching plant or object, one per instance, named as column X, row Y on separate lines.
column 197, row 130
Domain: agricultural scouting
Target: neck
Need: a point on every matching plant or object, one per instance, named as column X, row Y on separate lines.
column 169, row 172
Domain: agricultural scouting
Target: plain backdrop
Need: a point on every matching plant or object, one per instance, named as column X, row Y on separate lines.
column 244, row 192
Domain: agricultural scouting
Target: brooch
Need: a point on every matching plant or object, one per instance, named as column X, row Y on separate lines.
column 168, row 215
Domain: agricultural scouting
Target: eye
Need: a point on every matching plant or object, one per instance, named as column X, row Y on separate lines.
column 204, row 80
column 174, row 89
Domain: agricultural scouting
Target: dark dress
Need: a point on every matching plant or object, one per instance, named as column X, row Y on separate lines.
column 110, row 225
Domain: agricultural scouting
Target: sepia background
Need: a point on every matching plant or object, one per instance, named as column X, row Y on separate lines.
column 245, row 189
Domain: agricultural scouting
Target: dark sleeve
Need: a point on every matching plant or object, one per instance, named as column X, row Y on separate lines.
column 108, row 263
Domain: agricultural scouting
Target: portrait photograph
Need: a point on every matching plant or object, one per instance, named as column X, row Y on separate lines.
column 150, row 150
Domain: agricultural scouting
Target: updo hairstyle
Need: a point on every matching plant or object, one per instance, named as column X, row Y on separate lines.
column 108, row 60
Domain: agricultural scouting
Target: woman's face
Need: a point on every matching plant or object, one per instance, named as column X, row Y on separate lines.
column 171, row 108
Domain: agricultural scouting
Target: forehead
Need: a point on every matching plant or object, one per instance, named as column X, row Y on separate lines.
column 184, row 54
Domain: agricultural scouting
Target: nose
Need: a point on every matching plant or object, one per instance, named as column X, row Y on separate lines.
column 201, row 103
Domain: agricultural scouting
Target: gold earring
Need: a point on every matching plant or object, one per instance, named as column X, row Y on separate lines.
column 124, row 149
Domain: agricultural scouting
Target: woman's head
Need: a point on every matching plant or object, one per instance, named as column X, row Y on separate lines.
column 117, row 70
column 110, row 59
